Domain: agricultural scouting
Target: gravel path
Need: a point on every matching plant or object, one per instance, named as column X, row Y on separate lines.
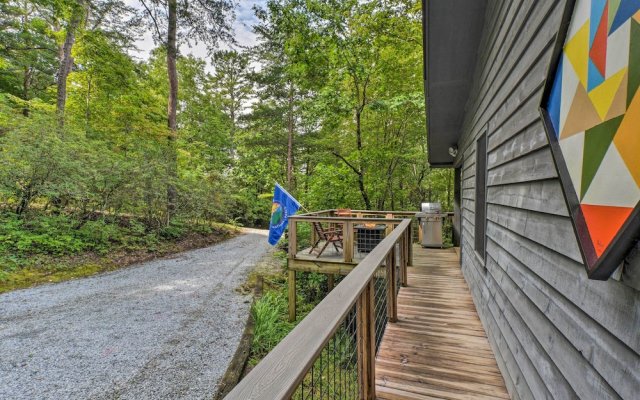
column 164, row 329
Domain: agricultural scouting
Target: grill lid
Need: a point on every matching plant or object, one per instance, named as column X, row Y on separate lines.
column 431, row 208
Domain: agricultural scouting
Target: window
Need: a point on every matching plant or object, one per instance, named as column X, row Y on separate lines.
column 481, row 196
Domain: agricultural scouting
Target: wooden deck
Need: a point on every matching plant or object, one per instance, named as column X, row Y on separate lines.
column 438, row 348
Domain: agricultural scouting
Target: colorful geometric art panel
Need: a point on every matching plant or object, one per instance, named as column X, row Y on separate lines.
column 592, row 111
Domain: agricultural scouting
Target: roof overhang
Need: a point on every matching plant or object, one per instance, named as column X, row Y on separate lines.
column 451, row 32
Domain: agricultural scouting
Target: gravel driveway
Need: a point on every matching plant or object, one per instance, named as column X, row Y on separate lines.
column 164, row 329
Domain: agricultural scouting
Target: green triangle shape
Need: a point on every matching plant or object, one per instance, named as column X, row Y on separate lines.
column 634, row 61
column 596, row 143
column 613, row 9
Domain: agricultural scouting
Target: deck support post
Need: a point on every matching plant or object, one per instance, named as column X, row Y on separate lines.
column 330, row 282
column 392, row 305
column 292, row 295
column 365, row 342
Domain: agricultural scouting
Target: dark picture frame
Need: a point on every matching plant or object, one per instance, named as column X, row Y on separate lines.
column 601, row 267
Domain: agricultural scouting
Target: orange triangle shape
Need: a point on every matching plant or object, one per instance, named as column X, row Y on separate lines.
column 582, row 114
column 603, row 223
column 627, row 138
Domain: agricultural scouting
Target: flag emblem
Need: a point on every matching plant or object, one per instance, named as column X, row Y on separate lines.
column 277, row 214
column 283, row 206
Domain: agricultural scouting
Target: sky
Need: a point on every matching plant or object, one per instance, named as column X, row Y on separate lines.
column 245, row 18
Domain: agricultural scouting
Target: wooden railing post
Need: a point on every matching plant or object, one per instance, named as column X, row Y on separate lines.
column 293, row 249
column 409, row 260
column 347, row 244
column 392, row 305
column 293, row 238
column 389, row 227
column 410, row 246
column 365, row 336
column 403, row 259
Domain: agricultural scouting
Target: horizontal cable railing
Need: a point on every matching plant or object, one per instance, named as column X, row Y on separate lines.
column 331, row 353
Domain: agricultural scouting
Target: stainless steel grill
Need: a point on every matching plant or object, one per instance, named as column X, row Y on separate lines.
column 430, row 220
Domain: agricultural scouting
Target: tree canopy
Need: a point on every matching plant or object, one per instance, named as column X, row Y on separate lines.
column 328, row 101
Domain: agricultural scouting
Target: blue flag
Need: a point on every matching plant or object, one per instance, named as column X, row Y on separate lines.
column 283, row 206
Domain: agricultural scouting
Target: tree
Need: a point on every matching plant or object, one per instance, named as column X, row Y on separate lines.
column 27, row 51
column 110, row 16
column 280, row 86
column 200, row 20
column 233, row 85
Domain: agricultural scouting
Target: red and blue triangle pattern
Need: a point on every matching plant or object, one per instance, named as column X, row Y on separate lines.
column 593, row 110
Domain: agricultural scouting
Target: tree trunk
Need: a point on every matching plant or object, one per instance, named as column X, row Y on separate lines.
column 25, row 200
column 87, row 110
column 26, row 83
column 172, row 54
column 66, row 62
column 363, row 190
column 290, row 141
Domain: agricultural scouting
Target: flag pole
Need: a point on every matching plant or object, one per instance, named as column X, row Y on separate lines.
column 301, row 206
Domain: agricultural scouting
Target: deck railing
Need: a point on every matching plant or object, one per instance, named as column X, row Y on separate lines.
column 331, row 353
column 356, row 241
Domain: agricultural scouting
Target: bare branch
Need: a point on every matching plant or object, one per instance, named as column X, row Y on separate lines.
column 357, row 171
column 155, row 22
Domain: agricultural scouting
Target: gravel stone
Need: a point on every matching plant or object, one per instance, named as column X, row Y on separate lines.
column 164, row 329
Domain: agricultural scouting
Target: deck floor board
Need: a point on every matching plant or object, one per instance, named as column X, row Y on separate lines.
column 438, row 348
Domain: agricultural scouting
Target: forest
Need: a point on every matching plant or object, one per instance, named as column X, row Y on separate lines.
column 104, row 151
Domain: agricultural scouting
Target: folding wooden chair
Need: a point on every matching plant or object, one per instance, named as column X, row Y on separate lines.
column 332, row 236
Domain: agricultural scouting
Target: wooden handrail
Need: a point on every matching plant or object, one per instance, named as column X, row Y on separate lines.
column 320, row 213
column 278, row 375
column 311, row 218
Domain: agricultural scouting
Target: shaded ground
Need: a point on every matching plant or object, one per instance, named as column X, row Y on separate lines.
column 164, row 329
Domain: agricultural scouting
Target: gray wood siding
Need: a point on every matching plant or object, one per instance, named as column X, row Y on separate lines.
column 555, row 333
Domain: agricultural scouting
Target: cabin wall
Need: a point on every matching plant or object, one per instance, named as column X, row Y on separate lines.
column 555, row 333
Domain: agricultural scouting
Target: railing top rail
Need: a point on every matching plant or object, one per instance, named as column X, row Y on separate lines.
column 311, row 218
column 318, row 212
column 278, row 375
column 400, row 212
column 370, row 212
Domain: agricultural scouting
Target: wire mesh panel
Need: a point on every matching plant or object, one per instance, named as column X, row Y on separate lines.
column 325, row 359
column 367, row 237
column 380, row 285
column 334, row 374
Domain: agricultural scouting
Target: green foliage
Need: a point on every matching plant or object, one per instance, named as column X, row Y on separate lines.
column 328, row 102
column 270, row 312
column 57, row 235
column 44, row 247
column 271, row 326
